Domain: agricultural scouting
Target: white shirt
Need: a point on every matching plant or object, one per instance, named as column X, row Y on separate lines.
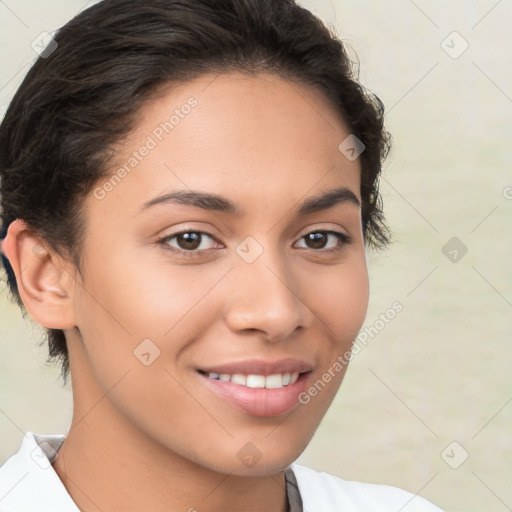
column 28, row 483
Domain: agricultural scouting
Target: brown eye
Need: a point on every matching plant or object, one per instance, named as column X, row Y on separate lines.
column 318, row 240
column 188, row 242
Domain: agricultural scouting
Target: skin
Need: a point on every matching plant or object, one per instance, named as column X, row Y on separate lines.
column 155, row 437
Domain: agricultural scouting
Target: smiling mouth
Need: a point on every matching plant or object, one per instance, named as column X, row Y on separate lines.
column 275, row 381
column 256, row 394
column 258, row 387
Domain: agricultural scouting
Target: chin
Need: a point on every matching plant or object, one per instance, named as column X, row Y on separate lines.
column 262, row 468
column 262, row 458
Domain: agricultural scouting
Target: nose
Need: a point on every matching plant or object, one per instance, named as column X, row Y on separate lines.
column 263, row 297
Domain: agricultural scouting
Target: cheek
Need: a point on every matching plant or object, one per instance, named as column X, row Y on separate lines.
column 136, row 298
column 135, row 312
column 136, row 331
column 339, row 297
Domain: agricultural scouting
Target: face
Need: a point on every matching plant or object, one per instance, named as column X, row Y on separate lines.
column 209, row 319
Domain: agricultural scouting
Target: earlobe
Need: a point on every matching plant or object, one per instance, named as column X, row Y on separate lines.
column 45, row 283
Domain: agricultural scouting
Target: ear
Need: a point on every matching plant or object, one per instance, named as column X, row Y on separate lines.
column 45, row 280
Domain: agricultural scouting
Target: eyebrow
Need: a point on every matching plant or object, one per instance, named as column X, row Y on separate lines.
column 208, row 201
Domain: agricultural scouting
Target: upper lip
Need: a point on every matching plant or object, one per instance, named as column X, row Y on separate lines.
column 260, row 367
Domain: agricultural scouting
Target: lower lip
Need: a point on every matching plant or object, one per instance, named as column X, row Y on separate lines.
column 259, row 401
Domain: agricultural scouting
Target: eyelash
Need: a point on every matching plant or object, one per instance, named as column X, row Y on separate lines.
column 343, row 240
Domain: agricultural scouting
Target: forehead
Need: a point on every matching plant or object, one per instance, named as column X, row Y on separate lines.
column 239, row 134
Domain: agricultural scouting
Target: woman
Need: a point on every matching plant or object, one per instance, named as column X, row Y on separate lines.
column 189, row 189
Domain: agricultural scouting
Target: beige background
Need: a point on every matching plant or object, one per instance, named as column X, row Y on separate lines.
column 440, row 371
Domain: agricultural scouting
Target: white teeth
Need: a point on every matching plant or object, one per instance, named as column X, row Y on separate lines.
column 238, row 378
column 255, row 381
column 275, row 381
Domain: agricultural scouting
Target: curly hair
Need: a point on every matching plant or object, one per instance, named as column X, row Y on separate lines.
column 82, row 97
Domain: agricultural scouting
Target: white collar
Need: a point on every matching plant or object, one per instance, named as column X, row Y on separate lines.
column 29, row 482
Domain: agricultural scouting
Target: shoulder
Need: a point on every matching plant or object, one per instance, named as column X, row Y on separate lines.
column 322, row 492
